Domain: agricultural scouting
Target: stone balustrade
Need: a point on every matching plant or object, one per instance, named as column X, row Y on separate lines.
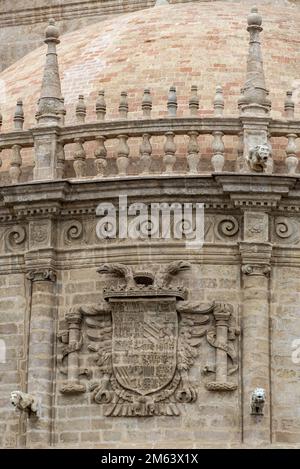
column 122, row 143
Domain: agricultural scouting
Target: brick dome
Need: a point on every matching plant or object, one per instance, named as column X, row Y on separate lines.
column 181, row 45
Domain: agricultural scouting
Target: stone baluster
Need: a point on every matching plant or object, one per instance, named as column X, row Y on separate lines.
column 19, row 115
column 147, row 103
column 123, row 106
column 62, row 112
column 241, row 164
column 73, row 385
column 79, row 158
column 170, row 150
column 218, row 147
column 123, row 155
column 101, row 106
column 219, row 102
column 1, row 119
column 291, row 156
column 172, row 102
column 15, row 164
column 193, row 157
column 145, row 153
column 194, row 101
column 80, row 109
column 60, row 160
column 289, row 105
column 100, row 156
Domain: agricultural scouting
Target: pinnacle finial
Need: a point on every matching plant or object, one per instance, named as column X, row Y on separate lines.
column 254, row 99
column 52, row 32
column 19, row 115
column 50, row 103
column 254, row 18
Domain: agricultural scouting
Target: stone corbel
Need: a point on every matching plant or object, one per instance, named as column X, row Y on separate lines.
column 73, row 340
column 220, row 337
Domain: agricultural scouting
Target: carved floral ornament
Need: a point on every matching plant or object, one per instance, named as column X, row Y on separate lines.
column 144, row 339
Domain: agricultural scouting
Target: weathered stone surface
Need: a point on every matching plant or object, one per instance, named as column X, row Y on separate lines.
column 179, row 335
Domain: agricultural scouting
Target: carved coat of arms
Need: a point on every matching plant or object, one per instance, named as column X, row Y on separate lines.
column 145, row 337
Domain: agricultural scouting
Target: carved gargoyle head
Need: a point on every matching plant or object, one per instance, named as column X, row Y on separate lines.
column 259, row 157
column 258, row 399
column 24, row 402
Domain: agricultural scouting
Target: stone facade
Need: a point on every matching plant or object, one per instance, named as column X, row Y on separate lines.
column 113, row 341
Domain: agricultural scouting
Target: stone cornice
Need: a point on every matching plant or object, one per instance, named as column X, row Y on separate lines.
column 222, row 192
column 68, row 10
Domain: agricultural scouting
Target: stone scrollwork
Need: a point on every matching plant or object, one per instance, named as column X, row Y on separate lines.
column 144, row 339
column 73, row 231
column 226, row 227
column 14, row 237
column 287, row 230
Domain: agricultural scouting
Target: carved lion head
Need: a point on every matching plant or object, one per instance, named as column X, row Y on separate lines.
column 259, row 157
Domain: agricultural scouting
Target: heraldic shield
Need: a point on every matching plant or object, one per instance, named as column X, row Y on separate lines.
column 144, row 344
column 144, row 337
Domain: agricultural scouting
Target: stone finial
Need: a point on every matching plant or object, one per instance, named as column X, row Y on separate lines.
column 194, row 101
column 289, row 105
column 101, row 106
column 172, row 102
column 19, row 115
column 147, row 103
column 219, row 102
column 80, row 109
column 254, row 95
column 50, row 102
column 123, row 107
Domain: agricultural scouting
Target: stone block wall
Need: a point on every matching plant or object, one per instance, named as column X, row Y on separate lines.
column 213, row 418
column 14, row 330
column 285, row 325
